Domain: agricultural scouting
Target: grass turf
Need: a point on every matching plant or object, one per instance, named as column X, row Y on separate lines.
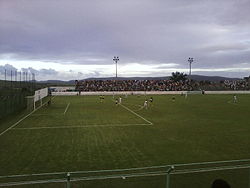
column 94, row 135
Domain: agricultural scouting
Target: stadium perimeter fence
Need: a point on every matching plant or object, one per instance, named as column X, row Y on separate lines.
column 16, row 99
column 12, row 101
column 195, row 175
column 31, row 85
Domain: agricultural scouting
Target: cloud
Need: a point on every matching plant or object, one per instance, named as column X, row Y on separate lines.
column 230, row 47
column 39, row 73
column 215, row 33
column 167, row 66
column 7, row 68
column 47, row 74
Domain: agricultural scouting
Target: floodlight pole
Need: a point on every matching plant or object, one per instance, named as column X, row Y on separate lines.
column 116, row 59
column 190, row 60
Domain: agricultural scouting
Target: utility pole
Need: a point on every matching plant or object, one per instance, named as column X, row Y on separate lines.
column 11, row 78
column 20, row 79
column 116, row 59
column 5, row 77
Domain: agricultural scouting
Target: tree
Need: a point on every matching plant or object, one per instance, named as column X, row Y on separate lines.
column 247, row 78
column 178, row 76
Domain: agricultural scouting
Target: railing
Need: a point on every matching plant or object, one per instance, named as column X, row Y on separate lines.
column 236, row 172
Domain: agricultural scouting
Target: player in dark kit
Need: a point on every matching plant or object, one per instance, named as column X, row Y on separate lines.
column 101, row 98
column 151, row 101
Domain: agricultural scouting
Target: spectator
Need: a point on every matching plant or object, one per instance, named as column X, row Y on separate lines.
column 219, row 183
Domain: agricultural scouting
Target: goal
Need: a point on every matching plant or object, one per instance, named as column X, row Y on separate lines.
column 37, row 100
column 30, row 103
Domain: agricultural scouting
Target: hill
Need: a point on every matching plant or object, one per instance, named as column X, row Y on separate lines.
column 193, row 77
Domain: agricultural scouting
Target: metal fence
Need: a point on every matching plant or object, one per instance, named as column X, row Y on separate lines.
column 31, row 85
column 13, row 95
column 195, row 175
column 12, row 101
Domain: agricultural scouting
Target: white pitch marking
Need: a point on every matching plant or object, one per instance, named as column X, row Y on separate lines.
column 66, row 108
column 136, row 114
column 15, row 124
column 58, row 114
column 80, row 126
column 141, row 107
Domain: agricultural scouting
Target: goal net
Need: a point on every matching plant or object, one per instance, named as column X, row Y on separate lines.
column 30, row 103
column 37, row 100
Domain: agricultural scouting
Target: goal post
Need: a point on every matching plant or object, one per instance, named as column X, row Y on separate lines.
column 37, row 99
column 31, row 105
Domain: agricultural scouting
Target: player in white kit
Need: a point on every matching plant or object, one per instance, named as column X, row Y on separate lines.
column 145, row 104
column 235, row 99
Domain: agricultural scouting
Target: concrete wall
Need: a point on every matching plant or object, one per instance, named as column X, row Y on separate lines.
column 143, row 93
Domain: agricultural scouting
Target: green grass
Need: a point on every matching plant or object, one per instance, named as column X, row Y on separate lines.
column 92, row 135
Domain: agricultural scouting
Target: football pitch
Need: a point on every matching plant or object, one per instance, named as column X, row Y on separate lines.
column 78, row 133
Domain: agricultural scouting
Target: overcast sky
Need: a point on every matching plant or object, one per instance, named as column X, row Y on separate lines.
column 78, row 39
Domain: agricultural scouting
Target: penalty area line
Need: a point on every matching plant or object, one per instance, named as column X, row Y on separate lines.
column 150, row 123
column 66, row 108
column 54, row 114
column 80, row 126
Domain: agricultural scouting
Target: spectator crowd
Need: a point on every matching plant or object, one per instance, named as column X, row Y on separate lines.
column 131, row 85
column 237, row 85
column 159, row 85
